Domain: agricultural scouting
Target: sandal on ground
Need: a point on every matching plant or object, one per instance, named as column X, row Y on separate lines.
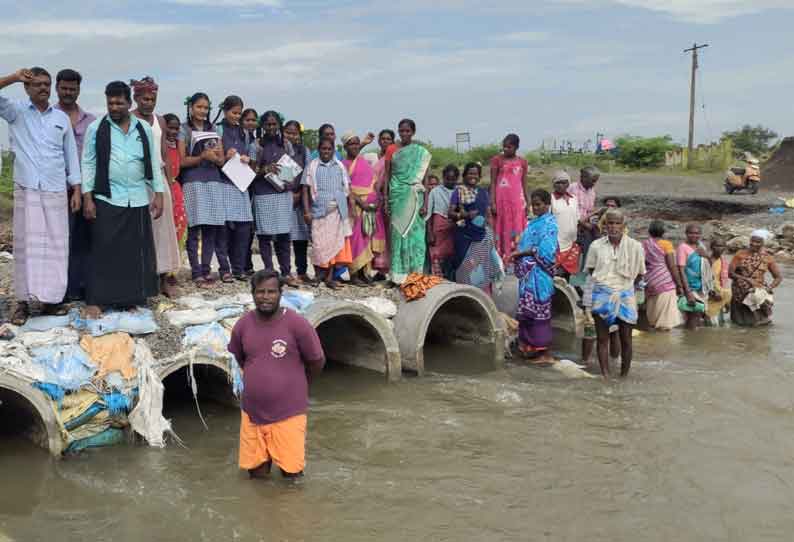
column 306, row 279
column 227, row 278
column 358, row 282
column 202, row 282
column 54, row 310
column 291, row 281
column 332, row 285
column 20, row 315
column 242, row 277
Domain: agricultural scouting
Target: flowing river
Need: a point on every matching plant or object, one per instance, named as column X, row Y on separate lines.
column 698, row 444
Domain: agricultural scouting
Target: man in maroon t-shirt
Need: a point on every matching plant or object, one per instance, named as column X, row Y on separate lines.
column 278, row 351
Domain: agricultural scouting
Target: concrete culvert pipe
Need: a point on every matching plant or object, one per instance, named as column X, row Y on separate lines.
column 213, row 383
column 354, row 334
column 26, row 411
column 565, row 312
column 449, row 313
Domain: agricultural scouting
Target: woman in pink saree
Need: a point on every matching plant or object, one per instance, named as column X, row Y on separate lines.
column 380, row 239
column 365, row 198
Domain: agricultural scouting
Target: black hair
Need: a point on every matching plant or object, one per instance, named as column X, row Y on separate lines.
column 118, row 88
column 656, row 228
column 512, row 139
column 230, row 102
column 542, row 195
column 692, row 226
column 323, row 128
column 68, row 75
column 472, row 165
column 170, row 117
column 387, row 131
column 248, row 112
column 193, row 99
column 328, row 140
column 297, row 125
column 260, row 131
column 37, row 70
column 433, row 176
column 590, row 171
column 411, row 124
column 613, row 198
column 451, row 168
column 264, row 275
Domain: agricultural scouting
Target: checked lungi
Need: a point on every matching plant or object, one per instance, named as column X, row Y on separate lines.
column 41, row 245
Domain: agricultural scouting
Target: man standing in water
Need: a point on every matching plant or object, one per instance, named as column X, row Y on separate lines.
column 67, row 86
column 279, row 351
column 617, row 262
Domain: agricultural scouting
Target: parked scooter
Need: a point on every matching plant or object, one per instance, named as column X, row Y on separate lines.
column 744, row 178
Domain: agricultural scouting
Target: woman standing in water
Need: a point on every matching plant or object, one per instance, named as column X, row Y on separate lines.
column 694, row 268
column 664, row 286
column 508, row 195
column 752, row 299
column 475, row 260
column 534, row 267
column 406, row 168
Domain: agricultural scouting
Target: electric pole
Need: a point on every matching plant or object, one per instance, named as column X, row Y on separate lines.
column 690, row 145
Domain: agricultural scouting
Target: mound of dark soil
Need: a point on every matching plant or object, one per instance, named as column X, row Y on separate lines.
column 777, row 173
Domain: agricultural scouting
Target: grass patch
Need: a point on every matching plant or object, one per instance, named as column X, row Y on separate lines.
column 7, row 187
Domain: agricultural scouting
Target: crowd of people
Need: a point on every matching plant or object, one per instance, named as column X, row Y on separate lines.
column 103, row 207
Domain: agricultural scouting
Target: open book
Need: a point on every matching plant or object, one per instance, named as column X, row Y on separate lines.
column 289, row 170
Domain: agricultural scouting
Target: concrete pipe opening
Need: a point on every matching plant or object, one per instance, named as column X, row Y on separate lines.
column 354, row 335
column 454, row 328
column 27, row 416
column 214, row 395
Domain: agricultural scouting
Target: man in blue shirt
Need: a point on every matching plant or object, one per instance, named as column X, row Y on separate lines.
column 45, row 161
column 120, row 162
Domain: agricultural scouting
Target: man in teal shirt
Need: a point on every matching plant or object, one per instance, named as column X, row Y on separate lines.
column 119, row 163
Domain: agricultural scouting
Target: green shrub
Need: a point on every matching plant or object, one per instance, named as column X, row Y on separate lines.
column 643, row 152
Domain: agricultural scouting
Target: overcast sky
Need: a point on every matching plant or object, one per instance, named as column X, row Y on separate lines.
column 562, row 69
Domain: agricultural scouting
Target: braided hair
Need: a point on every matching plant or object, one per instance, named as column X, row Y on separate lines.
column 189, row 103
column 261, row 130
column 228, row 103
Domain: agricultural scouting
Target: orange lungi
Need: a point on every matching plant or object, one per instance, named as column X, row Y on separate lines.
column 282, row 442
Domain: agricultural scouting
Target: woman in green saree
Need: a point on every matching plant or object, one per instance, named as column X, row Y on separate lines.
column 406, row 168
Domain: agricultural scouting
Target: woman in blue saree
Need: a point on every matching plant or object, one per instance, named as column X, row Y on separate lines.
column 534, row 267
column 475, row 260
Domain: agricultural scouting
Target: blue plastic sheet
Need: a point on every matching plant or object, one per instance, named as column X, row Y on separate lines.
column 116, row 403
column 140, row 322
column 53, row 391
column 46, row 323
column 67, row 366
column 108, row 437
column 297, row 300
column 86, row 416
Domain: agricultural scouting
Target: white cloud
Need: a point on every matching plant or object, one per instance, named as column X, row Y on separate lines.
column 708, row 11
column 88, row 28
column 521, row 37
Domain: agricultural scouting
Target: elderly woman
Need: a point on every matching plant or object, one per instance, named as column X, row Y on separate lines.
column 752, row 301
column 663, row 282
column 365, row 203
column 616, row 262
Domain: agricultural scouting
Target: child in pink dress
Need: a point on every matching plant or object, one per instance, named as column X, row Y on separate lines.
column 508, row 195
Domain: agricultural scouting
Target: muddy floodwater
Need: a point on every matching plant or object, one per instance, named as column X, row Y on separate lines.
column 698, row 444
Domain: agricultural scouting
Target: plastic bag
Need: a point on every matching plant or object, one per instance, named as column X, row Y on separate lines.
column 66, row 366
column 52, row 337
column 191, row 317
column 46, row 323
column 381, row 305
column 210, row 340
column 297, row 300
column 140, row 322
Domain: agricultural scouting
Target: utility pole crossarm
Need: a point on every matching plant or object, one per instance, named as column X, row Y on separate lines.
column 694, row 50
